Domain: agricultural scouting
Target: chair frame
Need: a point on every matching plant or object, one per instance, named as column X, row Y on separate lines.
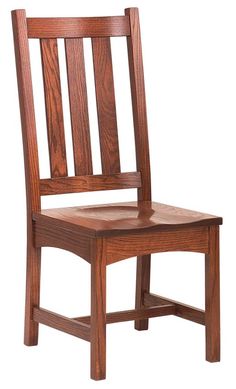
column 102, row 250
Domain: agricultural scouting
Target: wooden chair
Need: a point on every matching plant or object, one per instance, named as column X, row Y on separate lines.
column 105, row 234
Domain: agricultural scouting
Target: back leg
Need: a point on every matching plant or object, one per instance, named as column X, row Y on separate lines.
column 212, row 275
column 142, row 286
column 32, row 293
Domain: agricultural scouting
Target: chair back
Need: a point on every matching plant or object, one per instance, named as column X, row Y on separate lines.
column 72, row 31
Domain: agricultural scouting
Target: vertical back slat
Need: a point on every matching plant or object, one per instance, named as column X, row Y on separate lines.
column 139, row 104
column 54, row 110
column 106, row 108
column 78, row 106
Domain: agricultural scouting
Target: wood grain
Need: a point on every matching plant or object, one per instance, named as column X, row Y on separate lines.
column 181, row 310
column 139, row 103
column 212, row 298
column 87, row 27
column 54, row 109
column 106, row 108
column 28, row 126
column 186, row 239
column 134, row 314
column 49, row 233
column 78, row 106
column 142, row 287
column 98, row 309
column 102, row 234
column 89, row 183
column 32, row 296
column 123, row 220
column 62, row 323
column 27, row 111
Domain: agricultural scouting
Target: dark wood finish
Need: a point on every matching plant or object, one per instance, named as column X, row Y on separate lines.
column 102, row 234
column 106, row 109
column 53, row 105
column 78, row 27
column 186, row 239
column 78, row 106
column 142, row 287
column 98, row 309
column 212, row 305
column 139, row 103
column 134, row 314
column 181, row 310
column 62, row 323
column 90, row 183
column 31, row 169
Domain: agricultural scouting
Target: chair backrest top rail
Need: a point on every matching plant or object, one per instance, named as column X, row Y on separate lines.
column 86, row 27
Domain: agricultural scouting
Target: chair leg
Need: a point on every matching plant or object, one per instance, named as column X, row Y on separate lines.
column 98, row 311
column 142, row 286
column 32, row 293
column 212, row 278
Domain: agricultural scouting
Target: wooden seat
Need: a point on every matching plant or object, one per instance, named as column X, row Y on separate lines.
column 101, row 234
column 131, row 217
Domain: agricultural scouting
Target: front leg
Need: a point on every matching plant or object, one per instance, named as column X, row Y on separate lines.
column 98, row 310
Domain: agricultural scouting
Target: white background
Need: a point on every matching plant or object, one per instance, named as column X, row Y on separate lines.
column 189, row 50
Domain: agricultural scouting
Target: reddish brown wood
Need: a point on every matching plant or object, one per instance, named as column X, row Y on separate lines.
column 142, row 287
column 182, row 310
column 90, row 183
column 78, row 27
column 139, row 103
column 134, row 314
column 78, row 106
column 141, row 143
column 54, row 111
column 62, row 323
column 31, row 169
column 98, row 309
column 102, row 234
column 126, row 222
column 32, row 298
column 212, row 288
column 106, row 105
column 185, row 239
column 50, row 233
